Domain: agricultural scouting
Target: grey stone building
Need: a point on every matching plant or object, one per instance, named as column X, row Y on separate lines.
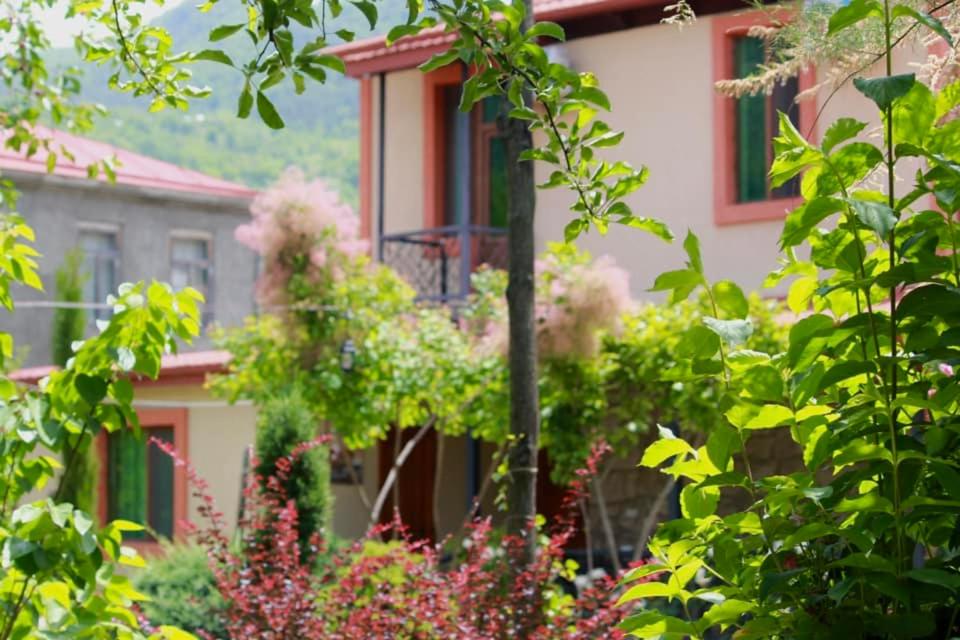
column 155, row 221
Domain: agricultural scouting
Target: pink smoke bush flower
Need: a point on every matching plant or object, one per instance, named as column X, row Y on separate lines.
column 300, row 228
column 577, row 303
column 578, row 300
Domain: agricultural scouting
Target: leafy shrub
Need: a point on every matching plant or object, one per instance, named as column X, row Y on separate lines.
column 398, row 589
column 283, row 423
column 182, row 591
column 863, row 541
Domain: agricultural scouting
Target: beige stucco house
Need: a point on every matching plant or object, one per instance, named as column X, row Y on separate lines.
column 432, row 180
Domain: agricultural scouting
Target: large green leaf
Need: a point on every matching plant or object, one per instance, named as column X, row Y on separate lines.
column 840, row 131
column 730, row 299
column 852, row 14
column 885, row 89
column 875, row 215
column 732, row 332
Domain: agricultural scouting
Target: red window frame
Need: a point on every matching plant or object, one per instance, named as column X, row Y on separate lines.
column 726, row 209
column 178, row 419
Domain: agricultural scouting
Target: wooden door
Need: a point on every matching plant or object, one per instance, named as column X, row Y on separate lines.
column 415, row 482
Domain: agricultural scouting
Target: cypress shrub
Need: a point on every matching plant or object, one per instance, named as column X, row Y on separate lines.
column 284, row 422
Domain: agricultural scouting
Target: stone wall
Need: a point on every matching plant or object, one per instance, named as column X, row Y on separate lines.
column 58, row 208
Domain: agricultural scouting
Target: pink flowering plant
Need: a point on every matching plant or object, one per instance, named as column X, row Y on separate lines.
column 305, row 236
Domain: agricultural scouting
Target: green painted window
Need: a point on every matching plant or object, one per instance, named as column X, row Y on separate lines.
column 756, row 125
column 495, row 157
column 140, row 480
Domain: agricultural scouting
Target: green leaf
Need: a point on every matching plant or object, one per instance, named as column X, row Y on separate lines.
column 214, row 55
column 405, row 30
column 91, row 389
column 808, row 532
column 650, row 589
column 770, row 417
column 801, row 293
column 948, row 99
column 844, row 371
column 913, row 115
column 547, row 30
column 369, row 11
column 840, row 131
column 225, row 31
column 691, row 244
column 927, row 20
column 268, row 113
column 853, row 13
column 948, row 478
column 593, row 95
column 948, row 579
column 722, row 443
column 681, row 282
column 733, row 332
column 764, row 383
column 653, row 624
column 874, row 215
column 728, row 612
column 697, row 502
column 244, row 103
column 730, row 299
column 651, row 225
column 698, row 343
column 661, row 450
column 802, row 220
column 885, row 90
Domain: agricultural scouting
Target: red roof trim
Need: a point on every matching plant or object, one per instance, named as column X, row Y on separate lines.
column 180, row 368
column 134, row 169
column 372, row 55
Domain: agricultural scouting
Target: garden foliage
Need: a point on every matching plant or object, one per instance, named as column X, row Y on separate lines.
column 272, row 588
column 861, row 543
column 60, row 573
column 283, row 423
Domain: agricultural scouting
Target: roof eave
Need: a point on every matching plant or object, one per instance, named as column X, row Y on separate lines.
column 221, row 199
column 372, row 56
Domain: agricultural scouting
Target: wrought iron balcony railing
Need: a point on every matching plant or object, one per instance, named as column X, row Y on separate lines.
column 438, row 262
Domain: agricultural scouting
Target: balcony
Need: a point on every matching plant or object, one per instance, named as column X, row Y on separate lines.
column 438, row 262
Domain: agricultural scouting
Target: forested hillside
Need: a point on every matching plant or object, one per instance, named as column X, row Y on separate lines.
column 321, row 124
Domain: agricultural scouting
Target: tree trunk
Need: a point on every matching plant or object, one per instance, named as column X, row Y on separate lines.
column 524, row 400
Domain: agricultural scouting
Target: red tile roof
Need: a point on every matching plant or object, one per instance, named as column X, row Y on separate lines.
column 186, row 366
column 372, row 55
column 133, row 170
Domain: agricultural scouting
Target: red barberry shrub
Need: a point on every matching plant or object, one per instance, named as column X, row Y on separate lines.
column 273, row 589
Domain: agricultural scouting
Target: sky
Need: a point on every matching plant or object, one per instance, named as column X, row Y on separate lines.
column 62, row 31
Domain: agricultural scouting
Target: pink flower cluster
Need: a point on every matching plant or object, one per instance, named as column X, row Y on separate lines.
column 299, row 227
column 577, row 303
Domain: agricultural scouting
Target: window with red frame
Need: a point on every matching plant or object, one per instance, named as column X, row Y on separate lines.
column 483, row 174
column 756, row 124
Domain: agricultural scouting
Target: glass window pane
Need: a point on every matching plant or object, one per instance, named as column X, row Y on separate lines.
column 101, row 257
column 751, row 123
column 498, row 183
column 193, row 249
column 455, row 159
column 784, row 99
column 160, row 491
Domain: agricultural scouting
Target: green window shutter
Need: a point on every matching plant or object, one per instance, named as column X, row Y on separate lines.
column 127, row 478
column 751, row 125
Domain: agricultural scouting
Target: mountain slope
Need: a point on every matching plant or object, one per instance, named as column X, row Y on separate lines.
column 321, row 134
